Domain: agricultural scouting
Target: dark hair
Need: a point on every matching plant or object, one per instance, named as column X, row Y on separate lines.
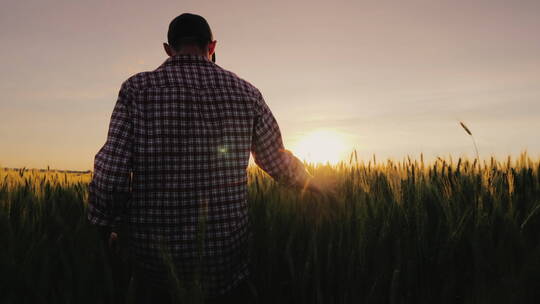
column 189, row 29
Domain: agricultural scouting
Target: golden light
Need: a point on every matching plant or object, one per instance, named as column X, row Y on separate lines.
column 322, row 146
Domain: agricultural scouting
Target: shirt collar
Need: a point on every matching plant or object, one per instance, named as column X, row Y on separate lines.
column 185, row 59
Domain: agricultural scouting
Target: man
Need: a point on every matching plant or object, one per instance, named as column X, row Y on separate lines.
column 178, row 145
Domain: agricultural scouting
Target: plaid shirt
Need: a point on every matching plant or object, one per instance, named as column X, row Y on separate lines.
column 178, row 144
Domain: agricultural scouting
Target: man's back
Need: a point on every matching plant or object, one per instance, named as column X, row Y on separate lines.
column 186, row 131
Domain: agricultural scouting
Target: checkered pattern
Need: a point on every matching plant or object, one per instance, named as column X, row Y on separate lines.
column 178, row 145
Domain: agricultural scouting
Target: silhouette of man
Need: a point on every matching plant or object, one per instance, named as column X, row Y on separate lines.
column 178, row 145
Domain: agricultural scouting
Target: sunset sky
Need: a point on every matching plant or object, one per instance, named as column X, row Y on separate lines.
column 391, row 78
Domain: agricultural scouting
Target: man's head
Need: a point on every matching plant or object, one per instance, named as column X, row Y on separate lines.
column 190, row 34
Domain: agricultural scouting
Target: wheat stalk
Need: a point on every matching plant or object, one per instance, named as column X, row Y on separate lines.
column 474, row 141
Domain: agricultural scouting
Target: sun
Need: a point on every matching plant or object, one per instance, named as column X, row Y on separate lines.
column 321, row 146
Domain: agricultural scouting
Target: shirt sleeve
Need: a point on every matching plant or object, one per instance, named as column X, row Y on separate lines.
column 269, row 153
column 110, row 185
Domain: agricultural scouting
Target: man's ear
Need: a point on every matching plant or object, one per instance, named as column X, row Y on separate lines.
column 168, row 49
column 211, row 48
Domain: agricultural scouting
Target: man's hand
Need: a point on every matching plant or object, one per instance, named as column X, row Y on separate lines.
column 113, row 242
column 321, row 185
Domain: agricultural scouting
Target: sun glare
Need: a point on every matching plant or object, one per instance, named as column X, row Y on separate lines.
column 321, row 147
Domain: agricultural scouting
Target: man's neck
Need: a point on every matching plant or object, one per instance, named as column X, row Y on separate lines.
column 194, row 51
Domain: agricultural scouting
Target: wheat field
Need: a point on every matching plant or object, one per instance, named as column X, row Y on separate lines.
column 448, row 231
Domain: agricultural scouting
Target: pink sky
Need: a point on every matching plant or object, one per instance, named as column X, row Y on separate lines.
column 393, row 77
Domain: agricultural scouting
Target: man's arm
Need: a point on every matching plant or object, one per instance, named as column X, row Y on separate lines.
column 271, row 156
column 110, row 185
